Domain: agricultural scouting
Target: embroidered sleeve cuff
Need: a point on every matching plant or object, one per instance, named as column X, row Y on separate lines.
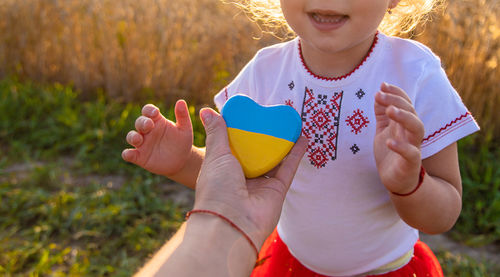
column 459, row 128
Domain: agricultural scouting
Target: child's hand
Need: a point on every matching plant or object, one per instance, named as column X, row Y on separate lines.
column 161, row 146
column 397, row 140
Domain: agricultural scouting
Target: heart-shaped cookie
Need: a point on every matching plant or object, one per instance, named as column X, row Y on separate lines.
column 260, row 136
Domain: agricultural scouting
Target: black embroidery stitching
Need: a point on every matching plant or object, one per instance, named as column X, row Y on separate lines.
column 355, row 149
column 360, row 94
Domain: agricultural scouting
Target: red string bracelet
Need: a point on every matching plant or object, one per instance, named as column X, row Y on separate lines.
column 420, row 181
column 230, row 223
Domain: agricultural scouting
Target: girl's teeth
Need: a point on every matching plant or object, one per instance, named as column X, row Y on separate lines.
column 327, row 18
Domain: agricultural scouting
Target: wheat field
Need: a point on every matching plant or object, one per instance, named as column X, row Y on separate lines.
column 467, row 38
column 174, row 48
column 168, row 49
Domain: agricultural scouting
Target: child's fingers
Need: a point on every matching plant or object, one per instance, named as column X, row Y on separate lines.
column 150, row 110
column 408, row 151
column 135, row 139
column 379, row 106
column 144, row 124
column 387, row 99
column 391, row 89
column 182, row 115
column 409, row 121
column 130, row 155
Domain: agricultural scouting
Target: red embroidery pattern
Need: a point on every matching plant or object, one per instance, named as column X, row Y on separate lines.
column 375, row 40
column 226, row 94
column 321, row 115
column 357, row 121
column 289, row 103
column 446, row 129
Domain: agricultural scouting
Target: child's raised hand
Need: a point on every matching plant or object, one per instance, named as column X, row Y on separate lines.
column 397, row 140
column 161, row 146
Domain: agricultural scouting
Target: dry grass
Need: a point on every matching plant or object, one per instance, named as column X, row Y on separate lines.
column 128, row 47
column 185, row 48
column 467, row 38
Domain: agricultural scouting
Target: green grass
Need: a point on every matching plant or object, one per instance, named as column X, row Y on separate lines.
column 49, row 225
column 465, row 266
column 47, row 122
column 479, row 222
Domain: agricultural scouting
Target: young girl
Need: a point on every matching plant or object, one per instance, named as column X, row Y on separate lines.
column 382, row 122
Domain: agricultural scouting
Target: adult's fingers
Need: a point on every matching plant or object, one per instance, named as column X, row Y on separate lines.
column 217, row 142
column 289, row 166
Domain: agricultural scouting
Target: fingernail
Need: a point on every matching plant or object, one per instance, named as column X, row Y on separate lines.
column 206, row 116
column 395, row 110
column 393, row 143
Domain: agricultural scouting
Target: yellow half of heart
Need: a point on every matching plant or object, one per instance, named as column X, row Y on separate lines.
column 257, row 153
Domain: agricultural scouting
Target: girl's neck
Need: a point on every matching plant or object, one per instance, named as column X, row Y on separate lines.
column 335, row 65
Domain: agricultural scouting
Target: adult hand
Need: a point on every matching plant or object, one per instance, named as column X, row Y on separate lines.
column 252, row 204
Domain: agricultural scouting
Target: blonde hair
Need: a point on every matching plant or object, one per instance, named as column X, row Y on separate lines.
column 403, row 19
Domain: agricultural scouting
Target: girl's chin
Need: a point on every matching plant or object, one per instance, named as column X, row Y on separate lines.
column 324, row 46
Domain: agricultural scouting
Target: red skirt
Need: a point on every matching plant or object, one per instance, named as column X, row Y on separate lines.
column 277, row 261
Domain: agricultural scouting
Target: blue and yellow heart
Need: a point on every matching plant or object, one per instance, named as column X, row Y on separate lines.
column 260, row 136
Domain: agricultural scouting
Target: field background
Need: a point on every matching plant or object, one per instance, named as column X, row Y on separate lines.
column 74, row 75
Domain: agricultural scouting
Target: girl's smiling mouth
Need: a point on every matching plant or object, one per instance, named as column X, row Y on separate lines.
column 327, row 20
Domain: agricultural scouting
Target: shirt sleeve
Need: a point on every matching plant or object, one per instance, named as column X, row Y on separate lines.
column 242, row 84
column 445, row 117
